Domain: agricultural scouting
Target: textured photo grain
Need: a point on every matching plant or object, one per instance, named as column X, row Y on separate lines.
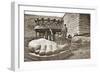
column 56, row 36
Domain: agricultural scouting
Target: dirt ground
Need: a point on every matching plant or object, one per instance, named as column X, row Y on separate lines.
column 81, row 53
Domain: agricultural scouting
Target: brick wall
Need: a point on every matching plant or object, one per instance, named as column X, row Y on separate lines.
column 72, row 22
column 77, row 23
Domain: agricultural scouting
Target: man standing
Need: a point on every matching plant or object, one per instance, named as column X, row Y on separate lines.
column 64, row 31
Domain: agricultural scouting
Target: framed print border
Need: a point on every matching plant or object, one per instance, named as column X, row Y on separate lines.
column 17, row 36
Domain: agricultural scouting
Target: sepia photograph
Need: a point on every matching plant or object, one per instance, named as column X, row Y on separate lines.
column 47, row 36
column 56, row 36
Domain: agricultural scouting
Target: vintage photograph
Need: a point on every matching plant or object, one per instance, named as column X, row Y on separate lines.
column 56, row 36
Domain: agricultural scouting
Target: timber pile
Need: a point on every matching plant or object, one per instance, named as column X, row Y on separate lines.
column 84, row 24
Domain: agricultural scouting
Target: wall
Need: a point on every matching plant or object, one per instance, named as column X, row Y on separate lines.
column 72, row 22
column 77, row 23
